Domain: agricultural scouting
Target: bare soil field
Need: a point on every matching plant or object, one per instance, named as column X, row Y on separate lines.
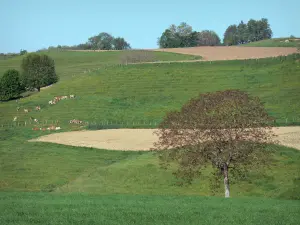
column 140, row 139
column 232, row 52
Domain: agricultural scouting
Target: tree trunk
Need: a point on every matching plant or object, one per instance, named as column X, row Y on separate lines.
column 226, row 181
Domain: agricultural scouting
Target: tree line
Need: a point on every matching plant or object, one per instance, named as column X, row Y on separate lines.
column 183, row 35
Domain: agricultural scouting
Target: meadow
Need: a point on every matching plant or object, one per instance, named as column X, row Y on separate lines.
column 275, row 42
column 41, row 208
column 44, row 183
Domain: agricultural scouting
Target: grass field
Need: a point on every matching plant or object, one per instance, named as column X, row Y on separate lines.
column 30, row 166
column 40, row 208
column 71, row 63
column 137, row 93
column 275, row 42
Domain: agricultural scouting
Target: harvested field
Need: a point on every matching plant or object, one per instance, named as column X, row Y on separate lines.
column 232, row 52
column 141, row 139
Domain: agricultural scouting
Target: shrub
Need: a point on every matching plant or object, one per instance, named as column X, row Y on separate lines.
column 38, row 71
column 10, row 85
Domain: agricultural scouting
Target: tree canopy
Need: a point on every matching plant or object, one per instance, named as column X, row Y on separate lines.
column 10, row 85
column 254, row 30
column 38, row 70
column 228, row 129
column 184, row 36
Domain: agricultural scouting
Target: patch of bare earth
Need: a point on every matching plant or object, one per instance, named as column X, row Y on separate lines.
column 232, row 52
column 141, row 139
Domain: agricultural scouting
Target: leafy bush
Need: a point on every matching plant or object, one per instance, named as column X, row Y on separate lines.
column 10, row 85
column 38, row 71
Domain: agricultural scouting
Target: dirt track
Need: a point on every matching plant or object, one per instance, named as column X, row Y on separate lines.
column 140, row 139
column 232, row 52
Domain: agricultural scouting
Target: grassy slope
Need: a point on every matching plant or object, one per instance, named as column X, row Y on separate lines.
column 147, row 92
column 32, row 208
column 71, row 64
column 29, row 166
column 275, row 42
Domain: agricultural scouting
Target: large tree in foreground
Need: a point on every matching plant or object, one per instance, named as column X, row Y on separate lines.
column 228, row 129
column 10, row 85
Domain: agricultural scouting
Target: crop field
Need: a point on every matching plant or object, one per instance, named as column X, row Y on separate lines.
column 57, row 183
column 232, row 52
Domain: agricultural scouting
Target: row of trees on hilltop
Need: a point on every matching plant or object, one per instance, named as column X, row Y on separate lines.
column 102, row 41
column 184, row 36
column 254, row 30
column 37, row 70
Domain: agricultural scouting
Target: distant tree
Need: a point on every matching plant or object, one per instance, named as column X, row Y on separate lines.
column 228, row 129
column 38, row 71
column 208, row 38
column 264, row 29
column 23, row 52
column 242, row 33
column 10, row 85
column 102, row 41
column 120, row 44
column 231, row 36
column 178, row 36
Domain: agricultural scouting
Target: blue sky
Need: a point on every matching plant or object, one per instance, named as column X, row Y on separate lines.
column 35, row 24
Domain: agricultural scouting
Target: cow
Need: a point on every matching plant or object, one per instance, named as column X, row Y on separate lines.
column 38, row 108
column 72, row 96
column 57, row 128
column 26, row 110
column 15, row 118
column 64, row 97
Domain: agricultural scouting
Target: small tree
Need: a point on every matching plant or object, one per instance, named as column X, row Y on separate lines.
column 10, row 85
column 38, row 71
column 228, row 129
column 120, row 44
column 23, row 52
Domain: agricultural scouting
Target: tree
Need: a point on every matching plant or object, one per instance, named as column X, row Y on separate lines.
column 208, row 38
column 178, row 36
column 228, row 129
column 120, row 44
column 38, row 70
column 103, row 41
column 23, row 52
column 230, row 35
column 10, row 85
column 242, row 33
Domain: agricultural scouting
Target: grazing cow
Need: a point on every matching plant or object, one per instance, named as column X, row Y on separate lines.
column 37, row 108
column 57, row 128
column 64, row 97
column 15, row 118
column 26, row 110
column 36, row 128
column 35, row 120
column 72, row 96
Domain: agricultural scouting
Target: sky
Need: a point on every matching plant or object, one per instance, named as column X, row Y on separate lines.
column 36, row 24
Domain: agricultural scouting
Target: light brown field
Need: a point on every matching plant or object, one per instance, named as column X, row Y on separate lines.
column 232, row 52
column 141, row 139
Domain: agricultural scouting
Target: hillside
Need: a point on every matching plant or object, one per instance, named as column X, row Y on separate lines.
column 144, row 93
column 72, row 63
column 275, row 42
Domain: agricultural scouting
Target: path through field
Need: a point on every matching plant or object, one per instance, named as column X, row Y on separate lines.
column 141, row 139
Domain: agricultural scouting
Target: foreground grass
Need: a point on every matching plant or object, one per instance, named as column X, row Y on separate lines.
column 275, row 42
column 40, row 208
column 70, row 64
column 144, row 93
column 29, row 166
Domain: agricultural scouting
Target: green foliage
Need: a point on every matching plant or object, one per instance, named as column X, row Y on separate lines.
column 208, row 38
column 78, row 209
column 254, row 30
column 10, row 85
column 120, row 44
column 38, row 71
column 275, row 42
column 23, row 52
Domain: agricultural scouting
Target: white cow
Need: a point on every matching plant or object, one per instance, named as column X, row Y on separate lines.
column 57, row 128
column 15, row 118
column 72, row 96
